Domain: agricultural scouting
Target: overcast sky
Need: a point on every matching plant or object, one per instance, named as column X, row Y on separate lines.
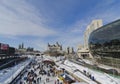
column 37, row 22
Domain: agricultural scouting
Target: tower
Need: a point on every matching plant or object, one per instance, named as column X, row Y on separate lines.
column 22, row 46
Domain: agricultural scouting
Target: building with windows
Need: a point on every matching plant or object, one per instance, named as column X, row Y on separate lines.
column 54, row 50
column 83, row 53
column 104, row 44
column 95, row 24
column 54, row 47
column 70, row 50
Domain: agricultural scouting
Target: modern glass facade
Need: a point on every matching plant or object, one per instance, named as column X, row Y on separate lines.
column 105, row 43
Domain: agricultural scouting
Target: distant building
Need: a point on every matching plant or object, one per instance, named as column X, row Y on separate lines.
column 82, row 52
column 67, row 50
column 21, row 46
column 54, row 47
column 95, row 24
column 70, row 50
column 21, row 49
column 79, row 47
column 30, row 49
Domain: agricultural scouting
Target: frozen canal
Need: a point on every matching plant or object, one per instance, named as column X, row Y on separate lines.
column 38, row 73
column 7, row 75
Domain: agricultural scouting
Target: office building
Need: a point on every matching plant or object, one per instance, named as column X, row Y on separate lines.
column 104, row 44
column 95, row 24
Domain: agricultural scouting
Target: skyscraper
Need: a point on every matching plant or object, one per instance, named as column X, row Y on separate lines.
column 95, row 24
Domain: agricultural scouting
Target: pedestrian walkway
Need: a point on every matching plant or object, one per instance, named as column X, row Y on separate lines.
column 51, row 80
column 38, row 73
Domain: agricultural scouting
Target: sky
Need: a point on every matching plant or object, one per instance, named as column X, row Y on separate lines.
column 39, row 22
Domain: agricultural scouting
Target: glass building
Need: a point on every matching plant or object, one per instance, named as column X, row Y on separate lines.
column 104, row 44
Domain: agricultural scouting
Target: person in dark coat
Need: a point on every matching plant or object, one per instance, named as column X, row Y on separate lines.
column 40, row 78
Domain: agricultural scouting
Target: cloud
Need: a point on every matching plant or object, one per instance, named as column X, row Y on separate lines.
column 18, row 18
column 78, row 27
column 68, row 38
column 106, row 11
column 72, row 41
column 39, row 44
column 72, row 35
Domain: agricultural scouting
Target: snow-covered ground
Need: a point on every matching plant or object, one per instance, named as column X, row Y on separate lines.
column 100, row 77
column 52, row 79
column 103, row 78
column 88, row 61
column 43, row 79
column 100, row 65
column 71, row 69
column 7, row 75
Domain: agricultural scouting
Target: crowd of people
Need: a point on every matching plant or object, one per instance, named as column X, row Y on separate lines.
column 89, row 75
column 39, row 73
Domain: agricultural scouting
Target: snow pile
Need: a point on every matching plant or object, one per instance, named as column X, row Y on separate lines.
column 12, row 72
column 100, row 77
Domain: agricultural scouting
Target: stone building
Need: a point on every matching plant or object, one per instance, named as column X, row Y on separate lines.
column 70, row 50
column 54, row 47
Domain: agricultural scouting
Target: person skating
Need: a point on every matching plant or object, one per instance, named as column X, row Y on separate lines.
column 55, row 81
column 40, row 78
